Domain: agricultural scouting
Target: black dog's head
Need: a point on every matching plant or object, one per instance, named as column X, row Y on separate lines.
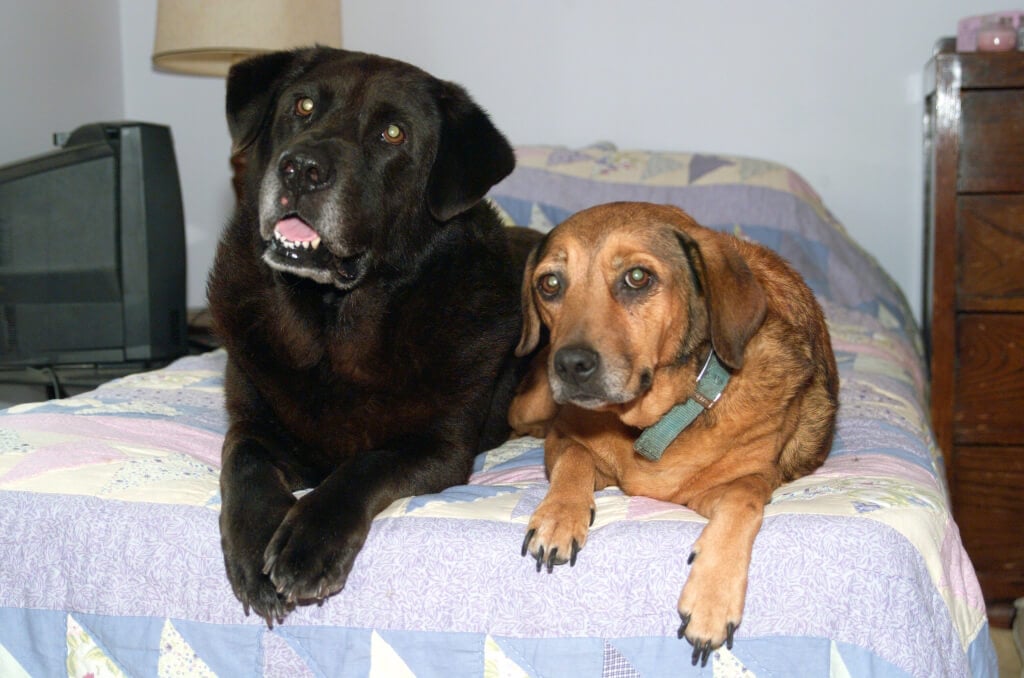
column 352, row 159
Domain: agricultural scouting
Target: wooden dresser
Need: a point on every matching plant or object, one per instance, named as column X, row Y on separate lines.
column 974, row 303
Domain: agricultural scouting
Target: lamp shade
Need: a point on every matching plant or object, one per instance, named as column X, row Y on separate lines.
column 205, row 37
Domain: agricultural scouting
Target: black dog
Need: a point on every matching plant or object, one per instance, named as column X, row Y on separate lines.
column 369, row 303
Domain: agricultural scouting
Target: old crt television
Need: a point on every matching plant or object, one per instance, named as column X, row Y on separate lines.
column 92, row 251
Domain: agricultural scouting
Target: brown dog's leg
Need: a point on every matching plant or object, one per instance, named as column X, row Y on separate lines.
column 558, row 528
column 711, row 603
column 533, row 407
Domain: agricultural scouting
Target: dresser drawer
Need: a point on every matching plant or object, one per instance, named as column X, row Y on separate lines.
column 992, row 141
column 990, row 250
column 986, row 490
column 989, row 392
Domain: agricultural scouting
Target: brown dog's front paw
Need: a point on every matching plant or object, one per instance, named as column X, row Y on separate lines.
column 703, row 645
column 710, row 606
column 556, row 533
column 311, row 553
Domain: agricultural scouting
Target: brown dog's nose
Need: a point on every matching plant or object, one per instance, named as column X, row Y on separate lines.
column 305, row 171
column 576, row 364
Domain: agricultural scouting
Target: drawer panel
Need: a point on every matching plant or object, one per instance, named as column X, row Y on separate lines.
column 989, row 379
column 992, row 141
column 988, row 511
column 990, row 270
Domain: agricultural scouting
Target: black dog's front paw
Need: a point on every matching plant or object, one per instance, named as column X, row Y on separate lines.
column 255, row 589
column 309, row 557
column 244, row 534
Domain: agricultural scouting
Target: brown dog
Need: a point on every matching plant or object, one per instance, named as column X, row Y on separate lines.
column 641, row 304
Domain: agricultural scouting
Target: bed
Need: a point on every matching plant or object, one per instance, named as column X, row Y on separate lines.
column 110, row 560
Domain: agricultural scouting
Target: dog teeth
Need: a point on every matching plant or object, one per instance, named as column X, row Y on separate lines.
column 293, row 245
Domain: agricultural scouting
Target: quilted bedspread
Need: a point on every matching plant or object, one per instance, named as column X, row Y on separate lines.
column 110, row 558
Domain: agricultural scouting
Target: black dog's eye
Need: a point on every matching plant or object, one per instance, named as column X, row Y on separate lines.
column 304, row 107
column 393, row 134
column 637, row 278
column 549, row 285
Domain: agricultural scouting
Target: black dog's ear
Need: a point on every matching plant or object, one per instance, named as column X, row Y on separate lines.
column 472, row 155
column 252, row 87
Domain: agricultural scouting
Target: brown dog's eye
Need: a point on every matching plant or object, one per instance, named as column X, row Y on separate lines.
column 549, row 285
column 304, row 107
column 637, row 278
column 393, row 134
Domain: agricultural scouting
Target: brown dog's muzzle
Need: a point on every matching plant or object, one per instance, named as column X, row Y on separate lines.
column 578, row 374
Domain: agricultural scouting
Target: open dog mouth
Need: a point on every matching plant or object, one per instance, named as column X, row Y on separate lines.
column 295, row 235
column 296, row 248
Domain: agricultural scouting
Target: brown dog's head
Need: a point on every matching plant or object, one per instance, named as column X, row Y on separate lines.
column 353, row 161
column 629, row 289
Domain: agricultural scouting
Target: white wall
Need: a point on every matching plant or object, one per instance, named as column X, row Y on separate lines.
column 193, row 107
column 831, row 89
column 60, row 66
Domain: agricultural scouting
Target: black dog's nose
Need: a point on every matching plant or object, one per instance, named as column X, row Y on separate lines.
column 305, row 171
column 576, row 364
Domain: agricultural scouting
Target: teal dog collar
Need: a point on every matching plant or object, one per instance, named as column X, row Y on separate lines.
column 711, row 381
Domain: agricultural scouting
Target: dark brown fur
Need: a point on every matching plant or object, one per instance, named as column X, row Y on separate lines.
column 376, row 363
column 773, row 423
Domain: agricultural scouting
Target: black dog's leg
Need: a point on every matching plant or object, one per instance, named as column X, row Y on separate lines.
column 254, row 501
column 311, row 554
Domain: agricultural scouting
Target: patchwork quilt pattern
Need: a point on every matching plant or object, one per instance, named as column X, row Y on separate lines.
column 110, row 561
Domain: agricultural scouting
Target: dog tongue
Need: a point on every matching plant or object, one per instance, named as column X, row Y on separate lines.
column 295, row 230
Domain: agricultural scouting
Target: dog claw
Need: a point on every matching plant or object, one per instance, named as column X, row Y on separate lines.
column 693, row 554
column 682, row 627
column 540, row 558
column 575, row 552
column 593, row 513
column 552, row 556
column 701, row 651
column 526, row 542
column 730, row 632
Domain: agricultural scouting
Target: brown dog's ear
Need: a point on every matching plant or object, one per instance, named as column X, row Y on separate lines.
column 472, row 155
column 530, row 337
column 252, row 88
column 735, row 300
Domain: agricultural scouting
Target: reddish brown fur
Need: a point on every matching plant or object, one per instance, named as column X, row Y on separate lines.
column 773, row 423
